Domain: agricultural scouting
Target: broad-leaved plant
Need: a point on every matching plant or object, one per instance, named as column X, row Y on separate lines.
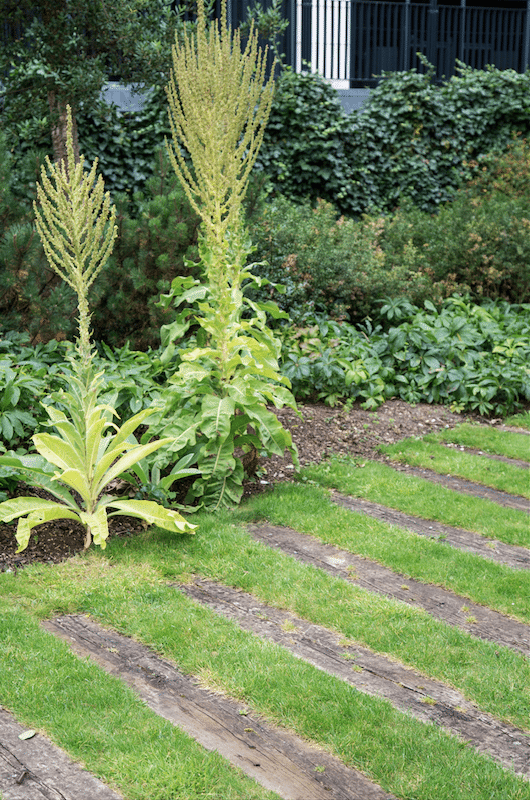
column 219, row 103
column 87, row 451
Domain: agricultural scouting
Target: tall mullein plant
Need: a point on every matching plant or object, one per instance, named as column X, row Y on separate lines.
column 88, row 450
column 219, row 103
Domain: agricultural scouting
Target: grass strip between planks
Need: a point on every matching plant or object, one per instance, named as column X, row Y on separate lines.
column 496, row 678
column 486, row 438
column 96, row 718
column 308, row 510
column 449, row 461
column 103, row 724
column 382, row 484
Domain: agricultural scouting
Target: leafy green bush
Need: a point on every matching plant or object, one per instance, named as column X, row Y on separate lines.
column 472, row 357
column 480, row 242
column 125, row 142
column 156, row 241
column 329, row 264
column 303, row 152
column 413, row 139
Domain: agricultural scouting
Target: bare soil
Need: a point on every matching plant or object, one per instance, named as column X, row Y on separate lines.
column 318, row 432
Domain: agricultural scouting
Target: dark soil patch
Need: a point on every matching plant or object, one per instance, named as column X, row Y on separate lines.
column 318, row 433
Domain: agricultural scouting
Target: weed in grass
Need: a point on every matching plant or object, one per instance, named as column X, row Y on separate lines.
column 502, row 476
column 288, row 626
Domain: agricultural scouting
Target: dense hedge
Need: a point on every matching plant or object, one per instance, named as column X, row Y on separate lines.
column 410, row 150
column 478, row 244
column 412, row 139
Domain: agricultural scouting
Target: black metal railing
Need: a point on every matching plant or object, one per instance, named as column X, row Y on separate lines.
column 353, row 41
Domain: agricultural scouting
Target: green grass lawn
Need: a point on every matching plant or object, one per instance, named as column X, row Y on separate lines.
column 486, row 438
column 520, row 420
column 446, row 461
column 131, row 587
column 382, row 484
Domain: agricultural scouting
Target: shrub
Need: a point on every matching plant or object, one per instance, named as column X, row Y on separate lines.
column 303, row 152
column 329, row 264
column 413, row 139
column 125, row 142
column 480, row 242
column 417, row 140
column 471, row 357
column 156, row 241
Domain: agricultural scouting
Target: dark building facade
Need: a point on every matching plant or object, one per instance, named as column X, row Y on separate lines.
column 351, row 42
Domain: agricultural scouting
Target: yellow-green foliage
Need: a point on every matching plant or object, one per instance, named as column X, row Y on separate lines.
column 87, row 451
column 75, row 222
column 219, row 105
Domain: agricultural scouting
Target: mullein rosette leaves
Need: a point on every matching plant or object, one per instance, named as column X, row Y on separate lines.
column 87, row 451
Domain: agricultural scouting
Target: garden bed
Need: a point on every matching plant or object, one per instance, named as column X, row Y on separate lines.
column 319, row 431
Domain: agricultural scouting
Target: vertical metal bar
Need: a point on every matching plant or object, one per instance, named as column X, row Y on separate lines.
column 526, row 57
column 462, row 32
column 405, row 36
column 353, row 41
column 432, row 33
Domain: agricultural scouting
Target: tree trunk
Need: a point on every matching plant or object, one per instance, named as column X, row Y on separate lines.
column 59, row 118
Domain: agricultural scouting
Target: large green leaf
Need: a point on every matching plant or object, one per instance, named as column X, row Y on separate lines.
column 274, row 437
column 77, row 480
column 217, row 413
column 38, row 472
column 58, row 452
column 131, row 424
column 126, row 461
column 151, row 512
column 67, row 429
column 19, row 506
column 98, row 525
column 221, row 489
column 189, row 372
column 94, row 444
